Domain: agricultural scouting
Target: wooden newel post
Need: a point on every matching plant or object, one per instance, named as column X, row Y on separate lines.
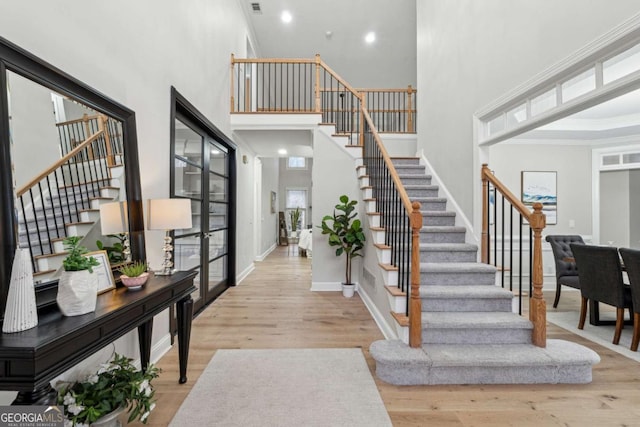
column 231, row 75
column 537, row 304
column 415, row 305
column 317, row 84
column 484, row 239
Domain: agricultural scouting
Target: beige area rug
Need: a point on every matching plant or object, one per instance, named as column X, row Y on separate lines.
column 284, row 387
column 602, row 335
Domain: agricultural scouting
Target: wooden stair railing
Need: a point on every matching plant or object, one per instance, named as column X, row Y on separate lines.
column 537, row 222
column 284, row 85
column 384, row 177
column 86, row 166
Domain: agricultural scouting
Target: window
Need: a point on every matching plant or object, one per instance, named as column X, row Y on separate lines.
column 296, row 163
column 296, row 198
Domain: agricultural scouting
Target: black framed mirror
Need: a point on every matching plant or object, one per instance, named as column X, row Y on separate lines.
column 91, row 131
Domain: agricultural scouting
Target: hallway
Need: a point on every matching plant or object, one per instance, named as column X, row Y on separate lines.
column 273, row 308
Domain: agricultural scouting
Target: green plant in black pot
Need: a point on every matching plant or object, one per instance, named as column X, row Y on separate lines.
column 345, row 232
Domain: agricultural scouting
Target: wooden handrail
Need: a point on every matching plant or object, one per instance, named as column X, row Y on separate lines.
column 520, row 207
column 537, row 222
column 272, row 60
column 83, row 119
column 57, row 164
column 340, row 80
column 394, row 90
column 392, row 170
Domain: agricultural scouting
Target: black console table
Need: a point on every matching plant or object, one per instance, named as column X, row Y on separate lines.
column 29, row 360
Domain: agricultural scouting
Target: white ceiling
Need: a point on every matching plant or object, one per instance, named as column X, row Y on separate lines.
column 390, row 62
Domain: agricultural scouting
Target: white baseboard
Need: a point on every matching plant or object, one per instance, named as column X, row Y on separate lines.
column 327, row 286
column 160, row 348
column 243, row 275
column 387, row 329
column 266, row 253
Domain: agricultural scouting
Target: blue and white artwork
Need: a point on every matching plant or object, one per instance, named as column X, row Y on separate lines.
column 541, row 187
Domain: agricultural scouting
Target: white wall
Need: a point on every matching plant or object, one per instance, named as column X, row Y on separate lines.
column 296, row 179
column 471, row 52
column 33, row 128
column 133, row 52
column 614, row 208
column 328, row 271
column 573, row 179
column 270, row 171
column 634, row 208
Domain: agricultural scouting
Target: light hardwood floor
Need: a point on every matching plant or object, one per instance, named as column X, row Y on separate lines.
column 273, row 308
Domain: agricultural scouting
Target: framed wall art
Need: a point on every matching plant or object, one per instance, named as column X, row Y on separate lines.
column 102, row 272
column 540, row 186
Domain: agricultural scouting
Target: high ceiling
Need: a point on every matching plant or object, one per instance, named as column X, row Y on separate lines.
column 389, row 62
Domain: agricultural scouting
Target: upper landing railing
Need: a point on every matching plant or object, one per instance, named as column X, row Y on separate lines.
column 311, row 86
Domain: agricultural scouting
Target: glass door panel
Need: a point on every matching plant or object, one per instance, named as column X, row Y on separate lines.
column 217, row 272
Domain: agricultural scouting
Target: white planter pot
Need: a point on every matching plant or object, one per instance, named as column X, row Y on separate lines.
column 77, row 292
column 348, row 290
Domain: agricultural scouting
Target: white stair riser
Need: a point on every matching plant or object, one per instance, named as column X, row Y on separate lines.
column 109, row 192
column 89, row 216
column 95, row 203
column 378, row 236
column 367, row 193
column 364, row 181
column 384, row 255
column 370, row 206
column 374, row 220
column 78, row 229
column 50, row 263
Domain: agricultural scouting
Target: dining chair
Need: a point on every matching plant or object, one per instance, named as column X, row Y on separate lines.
column 566, row 271
column 600, row 275
column 631, row 259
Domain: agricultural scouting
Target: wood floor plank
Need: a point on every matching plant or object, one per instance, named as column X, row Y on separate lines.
column 273, row 308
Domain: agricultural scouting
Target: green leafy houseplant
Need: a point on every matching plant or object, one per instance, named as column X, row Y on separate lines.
column 345, row 232
column 117, row 384
column 75, row 260
column 295, row 218
column 116, row 250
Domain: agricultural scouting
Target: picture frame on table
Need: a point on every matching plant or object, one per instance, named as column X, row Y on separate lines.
column 103, row 272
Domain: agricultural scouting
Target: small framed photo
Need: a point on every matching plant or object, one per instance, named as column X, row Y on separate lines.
column 541, row 186
column 103, row 272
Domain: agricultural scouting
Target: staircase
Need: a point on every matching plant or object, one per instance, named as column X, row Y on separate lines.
column 66, row 211
column 469, row 333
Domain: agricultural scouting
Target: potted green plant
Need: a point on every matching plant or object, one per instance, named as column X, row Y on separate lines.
column 116, row 387
column 295, row 219
column 116, row 251
column 345, row 232
column 77, row 289
column 134, row 275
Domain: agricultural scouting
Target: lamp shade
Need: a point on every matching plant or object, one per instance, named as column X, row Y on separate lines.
column 114, row 218
column 169, row 214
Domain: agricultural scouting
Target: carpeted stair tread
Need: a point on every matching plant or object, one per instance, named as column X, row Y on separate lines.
column 465, row 292
column 423, row 187
column 456, row 267
column 437, row 213
column 561, row 362
column 443, row 229
column 474, row 320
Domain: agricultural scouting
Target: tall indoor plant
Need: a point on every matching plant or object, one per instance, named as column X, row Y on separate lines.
column 345, row 232
column 295, row 219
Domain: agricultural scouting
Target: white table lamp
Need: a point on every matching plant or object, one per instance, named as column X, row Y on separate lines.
column 167, row 215
column 114, row 219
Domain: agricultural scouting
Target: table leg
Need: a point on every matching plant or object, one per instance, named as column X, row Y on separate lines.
column 184, row 315
column 594, row 312
column 45, row 395
column 144, row 341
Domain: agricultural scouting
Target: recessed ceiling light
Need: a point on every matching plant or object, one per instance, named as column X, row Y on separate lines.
column 282, row 151
column 215, row 151
column 328, row 35
column 286, row 17
column 370, row 37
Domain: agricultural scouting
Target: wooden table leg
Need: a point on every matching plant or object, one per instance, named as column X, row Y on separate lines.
column 184, row 316
column 144, row 341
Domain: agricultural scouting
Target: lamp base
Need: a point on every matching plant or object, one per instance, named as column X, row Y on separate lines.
column 164, row 272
